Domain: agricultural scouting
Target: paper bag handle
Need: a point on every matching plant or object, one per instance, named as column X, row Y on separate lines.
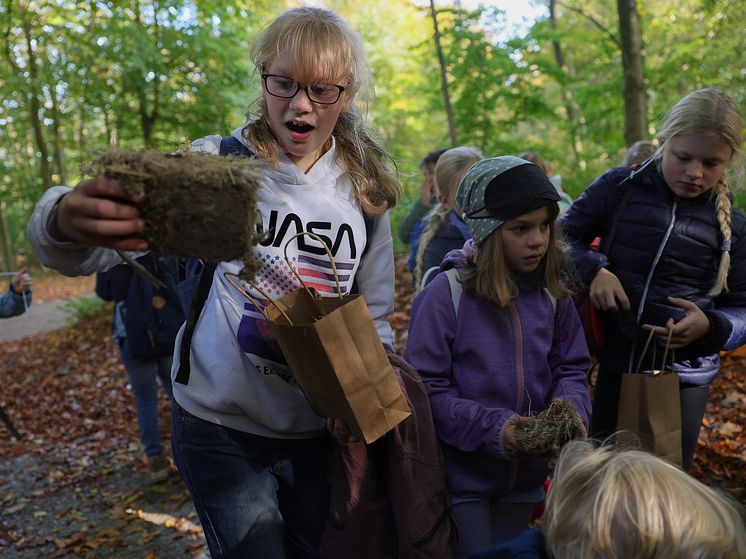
column 328, row 252
column 228, row 276
column 665, row 351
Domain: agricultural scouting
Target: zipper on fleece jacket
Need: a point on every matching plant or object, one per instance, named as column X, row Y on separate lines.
column 649, row 279
column 519, row 366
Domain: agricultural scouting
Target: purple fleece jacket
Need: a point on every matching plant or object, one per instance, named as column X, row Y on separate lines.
column 488, row 364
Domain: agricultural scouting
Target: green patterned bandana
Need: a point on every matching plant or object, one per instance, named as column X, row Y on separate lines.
column 499, row 189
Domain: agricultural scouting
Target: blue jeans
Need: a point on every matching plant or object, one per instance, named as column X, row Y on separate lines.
column 142, row 374
column 257, row 497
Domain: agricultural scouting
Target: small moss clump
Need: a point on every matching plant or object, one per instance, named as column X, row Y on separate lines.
column 195, row 204
column 548, row 431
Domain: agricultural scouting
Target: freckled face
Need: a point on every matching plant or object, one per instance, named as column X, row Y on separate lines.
column 692, row 165
column 525, row 240
column 301, row 126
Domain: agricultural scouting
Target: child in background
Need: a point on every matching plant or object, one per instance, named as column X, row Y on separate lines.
column 17, row 299
column 247, row 443
column 677, row 259
column 145, row 364
column 499, row 351
column 638, row 153
column 443, row 229
column 565, row 199
column 428, row 197
column 609, row 504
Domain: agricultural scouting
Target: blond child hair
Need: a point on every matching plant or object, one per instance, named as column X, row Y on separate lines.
column 618, row 504
column 450, row 168
column 706, row 112
column 322, row 46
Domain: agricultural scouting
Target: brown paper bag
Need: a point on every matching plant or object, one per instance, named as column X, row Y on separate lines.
column 336, row 355
column 650, row 410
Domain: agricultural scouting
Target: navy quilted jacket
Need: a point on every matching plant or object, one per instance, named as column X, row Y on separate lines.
column 663, row 246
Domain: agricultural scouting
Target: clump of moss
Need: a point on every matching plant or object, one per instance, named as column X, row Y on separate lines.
column 548, row 431
column 194, row 204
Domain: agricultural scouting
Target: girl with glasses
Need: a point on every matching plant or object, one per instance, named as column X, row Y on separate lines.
column 246, row 442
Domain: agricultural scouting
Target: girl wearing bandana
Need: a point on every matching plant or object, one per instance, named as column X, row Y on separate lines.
column 497, row 339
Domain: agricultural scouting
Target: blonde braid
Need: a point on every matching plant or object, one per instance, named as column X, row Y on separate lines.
column 435, row 219
column 723, row 212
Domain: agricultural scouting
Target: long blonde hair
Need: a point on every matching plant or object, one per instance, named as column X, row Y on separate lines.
column 488, row 276
column 703, row 112
column 321, row 45
column 450, row 168
column 617, row 504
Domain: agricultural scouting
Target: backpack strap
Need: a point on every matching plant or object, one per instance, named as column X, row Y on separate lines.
column 228, row 146
column 233, row 146
column 198, row 303
column 370, row 224
column 456, row 288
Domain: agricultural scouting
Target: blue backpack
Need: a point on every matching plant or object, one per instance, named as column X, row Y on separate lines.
column 152, row 316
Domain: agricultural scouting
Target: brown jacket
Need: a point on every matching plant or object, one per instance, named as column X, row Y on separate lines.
column 389, row 499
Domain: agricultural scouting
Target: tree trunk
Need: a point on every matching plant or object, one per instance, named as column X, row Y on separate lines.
column 59, row 152
column 4, row 242
column 635, row 124
column 35, row 108
column 444, row 78
column 566, row 95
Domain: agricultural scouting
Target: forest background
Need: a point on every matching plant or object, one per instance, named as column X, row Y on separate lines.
column 579, row 84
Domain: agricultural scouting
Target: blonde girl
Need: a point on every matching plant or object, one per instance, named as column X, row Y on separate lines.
column 245, row 440
column 444, row 229
column 494, row 337
column 677, row 260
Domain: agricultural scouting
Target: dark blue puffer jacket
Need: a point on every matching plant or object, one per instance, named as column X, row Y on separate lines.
column 663, row 246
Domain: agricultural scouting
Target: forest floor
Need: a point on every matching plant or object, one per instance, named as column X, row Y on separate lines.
column 75, row 485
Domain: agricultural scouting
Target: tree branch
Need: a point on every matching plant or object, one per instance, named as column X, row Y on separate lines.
column 594, row 21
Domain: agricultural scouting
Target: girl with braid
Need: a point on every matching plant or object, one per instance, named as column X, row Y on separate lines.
column 444, row 229
column 676, row 260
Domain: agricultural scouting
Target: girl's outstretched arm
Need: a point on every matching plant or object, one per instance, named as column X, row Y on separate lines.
column 59, row 252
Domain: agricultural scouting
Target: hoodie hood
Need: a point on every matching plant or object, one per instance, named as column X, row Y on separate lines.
column 288, row 172
column 457, row 258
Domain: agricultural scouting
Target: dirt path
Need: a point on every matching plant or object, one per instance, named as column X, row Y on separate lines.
column 40, row 317
column 75, row 485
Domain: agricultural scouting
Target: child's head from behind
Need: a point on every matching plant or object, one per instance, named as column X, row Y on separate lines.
column 699, row 137
column 638, row 153
column 610, row 504
column 450, row 169
column 510, row 208
column 537, row 160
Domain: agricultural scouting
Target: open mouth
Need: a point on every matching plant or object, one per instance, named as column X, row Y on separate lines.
column 298, row 127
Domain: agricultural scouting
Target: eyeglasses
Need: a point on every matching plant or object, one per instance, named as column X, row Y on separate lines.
column 286, row 88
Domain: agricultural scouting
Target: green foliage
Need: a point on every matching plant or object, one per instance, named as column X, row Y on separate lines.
column 78, row 76
column 80, row 308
